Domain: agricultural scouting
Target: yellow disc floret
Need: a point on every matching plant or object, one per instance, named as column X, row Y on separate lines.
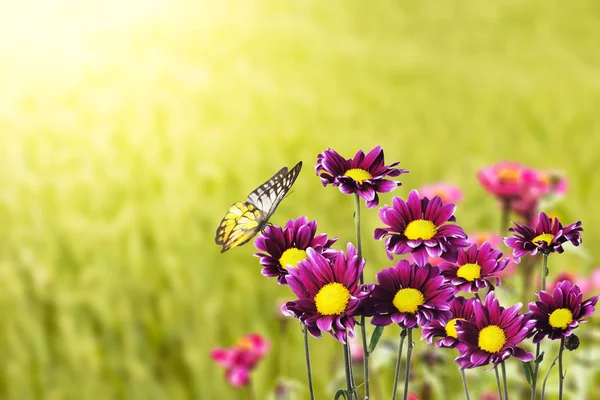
column 451, row 327
column 560, row 318
column 491, row 339
column 420, row 229
column 546, row 237
column 332, row 299
column 508, row 175
column 291, row 257
column 408, row 300
column 469, row 271
column 359, row 175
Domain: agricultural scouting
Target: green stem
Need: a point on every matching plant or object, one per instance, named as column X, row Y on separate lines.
column 464, row 381
column 498, row 383
column 249, row 391
column 348, row 368
column 505, row 216
column 544, row 270
column 407, row 372
column 363, row 325
column 307, row 355
column 398, row 361
column 561, row 375
column 504, row 380
column 536, row 370
column 547, row 375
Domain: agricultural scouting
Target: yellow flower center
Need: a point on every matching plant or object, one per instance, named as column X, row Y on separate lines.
column 451, row 327
column 491, row 339
column 408, row 300
column 359, row 175
column 560, row 318
column 332, row 299
column 546, row 237
column 245, row 343
column 420, row 229
column 469, row 271
column 508, row 175
column 292, row 257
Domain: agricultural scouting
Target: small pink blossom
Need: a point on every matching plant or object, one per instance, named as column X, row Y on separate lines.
column 507, row 180
column 446, row 191
column 241, row 359
column 596, row 279
column 479, row 238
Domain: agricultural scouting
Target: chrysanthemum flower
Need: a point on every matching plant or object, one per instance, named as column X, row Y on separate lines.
column 445, row 191
column 419, row 226
column 283, row 248
column 409, row 296
column 242, row 358
column 461, row 309
column 475, row 268
column 328, row 291
column 584, row 283
column 557, row 314
column 507, row 180
column 493, row 334
column 548, row 237
column 363, row 174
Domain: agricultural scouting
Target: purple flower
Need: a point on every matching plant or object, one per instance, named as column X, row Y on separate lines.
column 462, row 310
column 548, row 237
column 329, row 295
column 474, row 268
column 493, row 335
column 363, row 174
column 409, row 295
column 557, row 314
column 419, row 227
column 285, row 247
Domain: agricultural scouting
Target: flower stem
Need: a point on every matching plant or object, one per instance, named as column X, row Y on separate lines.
column 561, row 375
column 498, row 383
column 547, row 375
column 505, row 216
column 536, row 370
column 464, row 381
column 504, row 380
column 307, row 354
column 407, row 372
column 363, row 326
column 348, row 367
column 398, row 361
column 544, row 270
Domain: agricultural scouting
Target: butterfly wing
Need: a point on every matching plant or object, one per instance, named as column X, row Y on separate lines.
column 240, row 224
column 267, row 196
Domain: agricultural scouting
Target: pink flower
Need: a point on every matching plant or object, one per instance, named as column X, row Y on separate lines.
column 489, row 395
column 242, row 358
column 480, row 238
column 583, row 282
column 447, row 192
column 596, row 279
column 356, row 350
column 507, row 180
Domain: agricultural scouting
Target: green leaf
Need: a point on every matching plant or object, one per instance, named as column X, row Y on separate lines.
column 375, row 338
column 528, row 369
column 341, row 393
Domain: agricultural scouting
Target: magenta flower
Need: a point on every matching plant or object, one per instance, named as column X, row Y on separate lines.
column 283, row 248
column 548, row 237
column 445, row 191
column 409, row 296
column 329, row 295
column 419, row 227
column 462, row 310
column 507, row 180
column 480, row 238
column 241, row 359
column 556, row 315
column 493, row 335
column 475, row 268
column 363, row 174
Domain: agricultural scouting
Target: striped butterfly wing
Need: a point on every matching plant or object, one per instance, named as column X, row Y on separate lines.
column 267, row 196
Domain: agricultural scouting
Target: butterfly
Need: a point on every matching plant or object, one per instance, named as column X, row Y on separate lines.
column 245, row 219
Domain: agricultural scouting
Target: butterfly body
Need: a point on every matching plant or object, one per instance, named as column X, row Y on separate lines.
column 245, row 219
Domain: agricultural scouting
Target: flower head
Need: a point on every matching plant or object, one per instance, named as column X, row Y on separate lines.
column 493, row 334
column 409, row 296
column 475, row 268
column 445, row 191
column 507, row 180
column 462, row 310
column 329, row 295
column 548, row 237
column 242, row 358
column 283, row 248
column 363, row 174
column 557, row 314
column 418, row 226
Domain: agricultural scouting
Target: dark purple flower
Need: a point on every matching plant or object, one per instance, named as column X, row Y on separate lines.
column 419, row 227
column 461, row 309
column 474, row 268
column 329, row 295
column 557, row 314
column 363, row 174
column 284, row 247
column 548, row 237
column 409, row 296
column 493, row 334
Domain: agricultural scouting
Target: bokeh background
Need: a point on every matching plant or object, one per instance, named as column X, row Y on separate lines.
column 128, row 128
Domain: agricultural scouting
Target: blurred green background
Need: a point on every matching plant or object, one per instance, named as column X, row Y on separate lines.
column 128, row 129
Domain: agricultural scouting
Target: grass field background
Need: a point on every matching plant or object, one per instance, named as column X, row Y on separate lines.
column 128, row 130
